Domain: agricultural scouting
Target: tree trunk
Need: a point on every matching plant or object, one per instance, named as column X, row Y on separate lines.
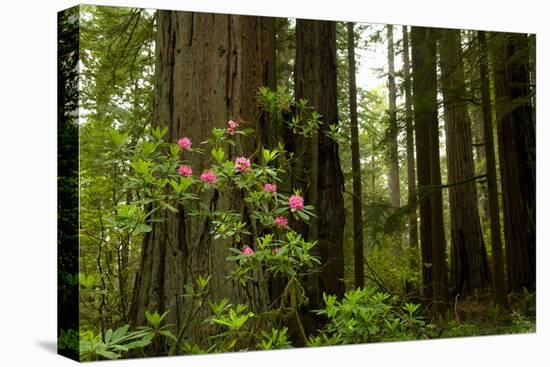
column 359, row 275
column 411, row 172
column 469, row 266
column 432, row 236
column 205, row 74
column 395, row 194
column 499, row 289
column 478, row 135
column 315, row 81
column 516, row 137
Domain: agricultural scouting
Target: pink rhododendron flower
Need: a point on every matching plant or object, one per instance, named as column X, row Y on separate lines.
column 185, row 170
column 269, row 187
column 296, row 202
column 281, row 221
column 208, row 176
column 185, row 143
column 247, row 251
column 232, row 126
column 242, row 164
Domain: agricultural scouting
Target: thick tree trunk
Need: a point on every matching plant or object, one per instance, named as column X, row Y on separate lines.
column 469, row 266
column 395, row 195
column 315, row 81
column 492, row 189
column 432, row 236
column 411, row 171
column 359, row 275
column 209, row 68
column 516, row 137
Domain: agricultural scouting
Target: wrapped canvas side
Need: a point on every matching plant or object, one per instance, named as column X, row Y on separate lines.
column 68, row 183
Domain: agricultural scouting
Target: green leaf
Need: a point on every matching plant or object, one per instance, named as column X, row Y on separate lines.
column 107, row 354
column 168, row 334
column 120, row 332
column 169, row 207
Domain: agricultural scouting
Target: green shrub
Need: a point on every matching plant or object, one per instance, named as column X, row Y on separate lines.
column 367, row 315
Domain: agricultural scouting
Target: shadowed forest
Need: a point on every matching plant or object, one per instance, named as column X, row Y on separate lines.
column 231, row 183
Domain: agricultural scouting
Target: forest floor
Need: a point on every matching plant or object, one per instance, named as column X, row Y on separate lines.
column 478, row 316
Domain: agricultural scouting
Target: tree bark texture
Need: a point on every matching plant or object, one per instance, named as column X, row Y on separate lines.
column 432, row 237
column 517, row 151
column 409, row 130
column 499, row 288
column 209, row 68
column 395, row 194
column 469, row 265
column 359, row 270
column 315, row 81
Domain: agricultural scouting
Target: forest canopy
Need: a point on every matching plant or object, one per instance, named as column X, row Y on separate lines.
column 253, row 183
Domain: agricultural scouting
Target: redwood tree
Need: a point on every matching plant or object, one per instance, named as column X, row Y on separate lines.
column 315, row 81
column 517, row 151
column 432, row 236
column 499, row 288
column 359, row 276
column 469, row 266
column 208, row 69
column 411, row 171
column 395, row 194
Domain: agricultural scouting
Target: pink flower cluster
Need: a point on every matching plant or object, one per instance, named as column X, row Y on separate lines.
column 281, row 221
column 247, row 251
column 242, row 164
column 185, row 170
column 208, row 177
column 296, row 202
column 232, row 126
column 185, row 143
column 269, row 187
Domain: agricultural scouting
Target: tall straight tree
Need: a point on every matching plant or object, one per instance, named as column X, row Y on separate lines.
column 499, row 288
column 469, row 265
column 395, row 195
column 432, row 236
column 411, row 171
column 208, row 69
column 359, row 276
column 315, row 81
column 517, row 151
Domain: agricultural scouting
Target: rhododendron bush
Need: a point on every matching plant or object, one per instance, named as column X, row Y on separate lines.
column 165, row 176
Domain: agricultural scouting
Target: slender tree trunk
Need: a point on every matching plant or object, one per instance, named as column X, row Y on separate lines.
column 359, row 275
column 494, row 210
column 421, row 127
column 315, row 81
column 205, row 74
column 395, row 194
column 432, row 236
column 476, row 114
column 479, row 144
column 411, row 172
column 516, row 137
column 469, row 266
